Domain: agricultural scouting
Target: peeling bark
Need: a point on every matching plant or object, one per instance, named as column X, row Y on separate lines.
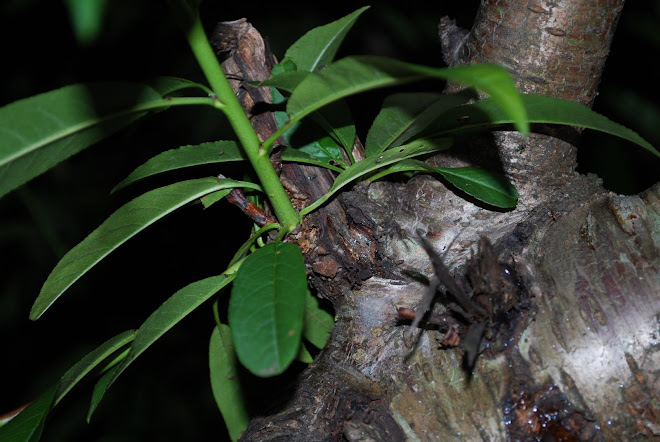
column 580, row 364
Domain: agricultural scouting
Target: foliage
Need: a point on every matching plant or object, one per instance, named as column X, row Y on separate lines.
column 271, row 313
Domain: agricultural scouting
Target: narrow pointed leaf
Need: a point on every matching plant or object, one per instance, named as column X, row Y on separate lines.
column 185, row 156
column 168, row 85
column 38, row 132
column 318, row 322
column 297, row 156
column 412, row 149
column 266, row 308
column 486, row 186
column 91, row 361
column 122, row 225
column 337, row 121
column 212, row 198
column 285, row 81
column 489, row 187
column 324, row 149
column 368, row 165
column 540, row 109
column 353, row 75
column 405, row 115
column 225, row 384
column 318, row 47
column 99, row 390
column 309, row 139
column 335, row 118
column 170, row 313
column 402, row 166
column 28, row 425
column 245, row 247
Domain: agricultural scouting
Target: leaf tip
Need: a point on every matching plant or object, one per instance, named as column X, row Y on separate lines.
column 36, row 311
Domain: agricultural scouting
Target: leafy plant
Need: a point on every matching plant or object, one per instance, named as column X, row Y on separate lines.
column 272, row 316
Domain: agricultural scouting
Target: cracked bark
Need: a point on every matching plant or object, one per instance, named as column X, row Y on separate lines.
column 581, row 364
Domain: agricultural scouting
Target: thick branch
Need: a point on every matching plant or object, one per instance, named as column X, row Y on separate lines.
column 589, row 259
column 550, row 48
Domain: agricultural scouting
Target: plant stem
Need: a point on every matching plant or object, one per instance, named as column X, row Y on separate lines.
column 228, row 103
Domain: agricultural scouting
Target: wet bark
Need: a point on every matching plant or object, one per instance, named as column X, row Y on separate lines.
column 576, row 360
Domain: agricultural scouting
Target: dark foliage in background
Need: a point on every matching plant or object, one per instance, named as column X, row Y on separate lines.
column 167, row 395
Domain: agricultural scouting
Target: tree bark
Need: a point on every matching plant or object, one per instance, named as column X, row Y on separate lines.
column 577, row 359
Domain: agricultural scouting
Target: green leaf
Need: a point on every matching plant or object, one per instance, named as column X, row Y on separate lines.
column 540, row 109
column 337, row 122
column 38, row 132
column 91, row 361
column 318, row 47
column 225, row 382
column 489, row 187
column 28, row 425
column 266, row 308
column 284, row 66
column 212, row 198
column 318, row 322
column 99, row 390
column 286, row 81
column 353, row 75
column 309, row 139
column 122, row 225
column 167, row 85
column 368, row 165
column 486, row 186
column 185, row 156
column 405, row 115
column 402, row 166
column 86, row 19
column 170, row 313
column 335, row 118
column 324, row 149
column 297, row 156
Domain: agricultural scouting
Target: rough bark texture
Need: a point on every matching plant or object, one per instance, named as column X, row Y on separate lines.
column 577, row 361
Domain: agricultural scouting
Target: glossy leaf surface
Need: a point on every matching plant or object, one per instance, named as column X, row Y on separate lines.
column 297, row 156
column 371, row 164
column 185, row 156
column 486, row 186
column 490, row 187
column 266, row 308
column 540, row 109
column 353, row 75
column 405, row 115
column 318, row 47
column 38, row 132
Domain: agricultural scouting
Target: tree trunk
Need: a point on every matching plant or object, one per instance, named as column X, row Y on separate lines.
column 576, row 359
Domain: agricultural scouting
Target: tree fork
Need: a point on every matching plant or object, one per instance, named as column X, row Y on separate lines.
column 583, row 366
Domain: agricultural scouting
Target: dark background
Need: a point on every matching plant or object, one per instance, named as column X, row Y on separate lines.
column 166, row 395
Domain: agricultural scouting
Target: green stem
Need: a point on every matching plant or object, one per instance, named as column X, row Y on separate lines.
column 228, row 103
